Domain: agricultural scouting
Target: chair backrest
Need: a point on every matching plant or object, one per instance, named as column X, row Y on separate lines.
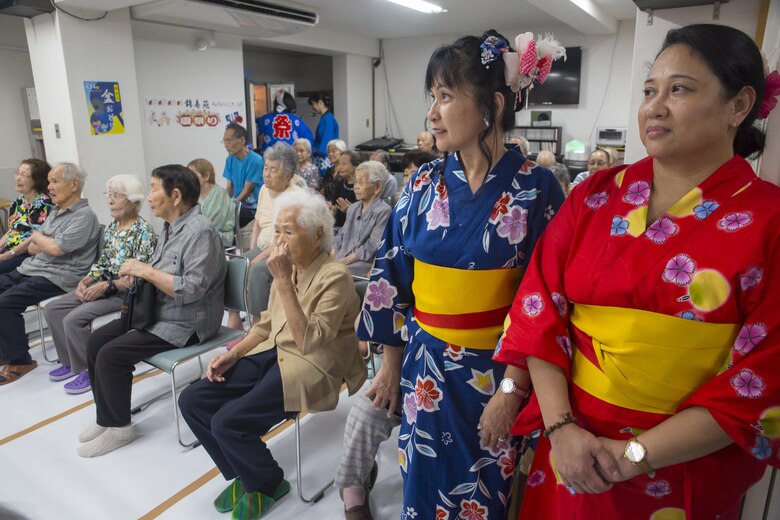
column 361, row 284
column 101, row 240
column 236, row 283
column 237, row 222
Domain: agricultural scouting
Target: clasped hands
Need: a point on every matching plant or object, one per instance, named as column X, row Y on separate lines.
column 589, row 464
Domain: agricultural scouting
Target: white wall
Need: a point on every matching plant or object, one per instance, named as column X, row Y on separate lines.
column 352, row 89
column 406, row 59
column 742, row 14
column 169, row 66
column 16, row 74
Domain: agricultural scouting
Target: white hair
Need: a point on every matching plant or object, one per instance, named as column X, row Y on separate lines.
column 305, row 142
column 376, row 172
column 73, row 172
column 128, row 185
column 340, row 145
column 283, row 153
column 313, row 213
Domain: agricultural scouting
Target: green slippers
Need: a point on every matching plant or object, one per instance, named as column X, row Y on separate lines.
column 252, row 506
column 228, row 499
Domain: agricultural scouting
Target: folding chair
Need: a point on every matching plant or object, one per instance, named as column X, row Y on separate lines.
column 235, row 299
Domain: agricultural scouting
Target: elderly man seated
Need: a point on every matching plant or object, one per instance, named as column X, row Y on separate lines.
column 295, row 358
column 62, row 252
column 358, row 240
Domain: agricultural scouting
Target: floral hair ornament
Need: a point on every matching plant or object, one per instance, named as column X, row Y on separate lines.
column 771, row 91
column 531, row 62
column 492, row 48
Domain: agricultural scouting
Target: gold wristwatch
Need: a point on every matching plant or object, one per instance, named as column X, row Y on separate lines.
column 636, row 453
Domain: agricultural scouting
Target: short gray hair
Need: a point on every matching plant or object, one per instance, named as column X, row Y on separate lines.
column 305, row 142
column 128, row 185
column 313, row 213
column 340, row 145
column 73, row 171
column 283, row 153
column 376, row 172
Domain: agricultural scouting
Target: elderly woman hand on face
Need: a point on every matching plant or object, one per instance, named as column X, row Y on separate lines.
column 295, row 358
column 278, row 177
column 101, row 292
column 215, row 203
column 187, row 271
column 28, row 212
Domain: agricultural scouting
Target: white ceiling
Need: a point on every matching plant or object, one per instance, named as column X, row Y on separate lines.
column 385, row 20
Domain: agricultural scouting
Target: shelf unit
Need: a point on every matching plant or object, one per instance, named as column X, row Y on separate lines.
column 539, row 138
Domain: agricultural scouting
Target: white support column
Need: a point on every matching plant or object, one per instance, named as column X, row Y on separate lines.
column 66, row 52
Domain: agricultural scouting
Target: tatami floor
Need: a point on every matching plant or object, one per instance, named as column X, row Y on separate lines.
column 42, row 477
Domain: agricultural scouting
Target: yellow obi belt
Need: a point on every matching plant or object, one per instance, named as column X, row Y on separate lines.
column 648, row 362
column 463, row 307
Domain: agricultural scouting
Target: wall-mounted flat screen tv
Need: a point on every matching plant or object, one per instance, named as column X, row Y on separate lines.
column 562, row 86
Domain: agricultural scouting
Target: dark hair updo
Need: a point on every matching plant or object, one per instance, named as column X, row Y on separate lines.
column 459, row 66
column 736, row 61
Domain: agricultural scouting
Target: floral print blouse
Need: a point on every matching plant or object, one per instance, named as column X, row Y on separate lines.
column 26, row 217
column 137, row 241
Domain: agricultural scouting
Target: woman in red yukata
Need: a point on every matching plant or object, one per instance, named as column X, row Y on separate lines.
column 648, row 319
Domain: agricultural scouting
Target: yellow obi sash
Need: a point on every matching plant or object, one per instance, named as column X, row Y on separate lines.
column 649, row 362
column 463, row 307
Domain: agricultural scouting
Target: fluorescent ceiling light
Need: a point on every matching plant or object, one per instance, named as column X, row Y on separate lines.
column 420, row 5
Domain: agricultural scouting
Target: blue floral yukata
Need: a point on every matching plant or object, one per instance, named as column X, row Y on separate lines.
column 447, row 472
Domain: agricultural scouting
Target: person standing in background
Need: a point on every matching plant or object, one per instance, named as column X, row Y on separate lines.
column 282, row 124
column 327, row 128
column 244, row 174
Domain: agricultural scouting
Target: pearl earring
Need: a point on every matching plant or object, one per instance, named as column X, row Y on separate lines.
column 485, row 120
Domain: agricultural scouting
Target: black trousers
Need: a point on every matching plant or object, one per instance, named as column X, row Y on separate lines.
column 112, row 355
column 229, row 418
column 17, row 292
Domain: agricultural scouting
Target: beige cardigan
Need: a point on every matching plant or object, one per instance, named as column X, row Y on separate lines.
column 312, row 380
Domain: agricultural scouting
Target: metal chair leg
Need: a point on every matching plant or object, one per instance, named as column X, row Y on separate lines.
column 196, row 442
column 43, row 337
column 319, row 494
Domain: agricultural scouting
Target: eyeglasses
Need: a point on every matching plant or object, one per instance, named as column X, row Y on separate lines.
column 19, row 173
column 230, row 139
column 597, row 163
column 110, row 195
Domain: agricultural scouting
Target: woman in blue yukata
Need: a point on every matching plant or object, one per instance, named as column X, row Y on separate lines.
column 445, row 275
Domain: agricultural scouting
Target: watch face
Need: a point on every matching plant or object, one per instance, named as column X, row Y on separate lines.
column 507, row 386
column 635, row 452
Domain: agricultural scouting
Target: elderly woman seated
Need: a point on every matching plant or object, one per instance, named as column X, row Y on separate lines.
column 28, row 212
column 215, row 203
column 304, row 168
column 391, row 186
column 101, row 291
column 295, row 358
column 187, row 272
column 358, row 240
column 278, row 177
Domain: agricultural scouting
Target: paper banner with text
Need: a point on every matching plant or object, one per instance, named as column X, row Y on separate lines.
column 192, row 112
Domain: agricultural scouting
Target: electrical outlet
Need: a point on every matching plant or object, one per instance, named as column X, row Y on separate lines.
column 57, row 131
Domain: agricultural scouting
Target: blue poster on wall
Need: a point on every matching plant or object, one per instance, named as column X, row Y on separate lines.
column 104, row 104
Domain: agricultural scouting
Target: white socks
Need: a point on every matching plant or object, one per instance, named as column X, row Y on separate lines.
column 107, row 441
column 91, row 433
